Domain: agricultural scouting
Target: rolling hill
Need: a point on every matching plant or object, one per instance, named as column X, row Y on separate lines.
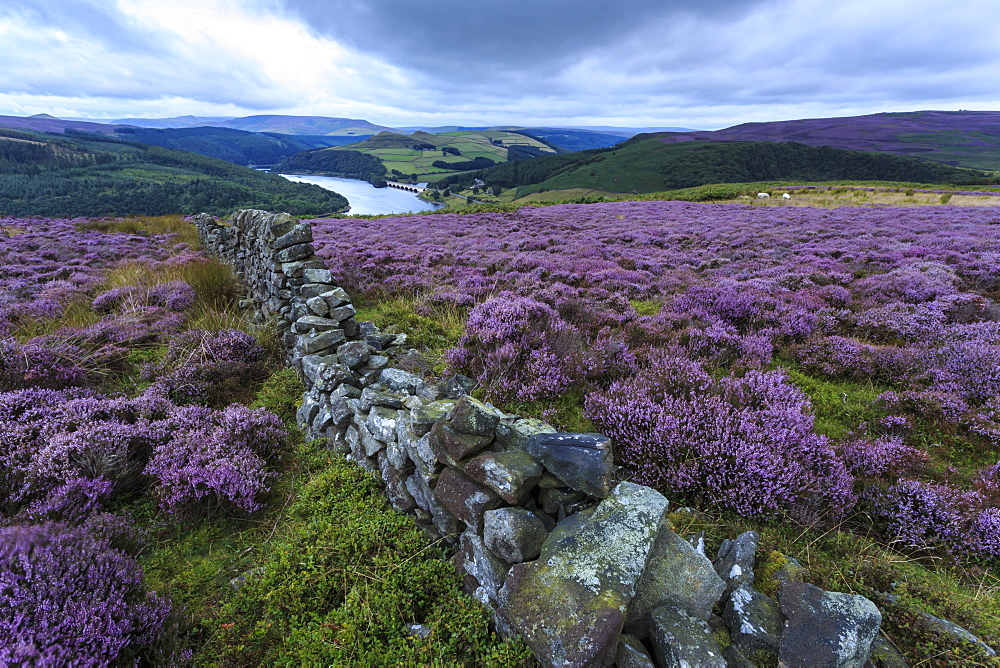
column 645, row 164
column 93, row 175
column 301, row 125
column 427, row 156
column 961, row 138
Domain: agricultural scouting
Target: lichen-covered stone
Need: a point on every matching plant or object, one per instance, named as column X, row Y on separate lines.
column 382, row 423
column 735, row 560
column 451, row 446
column 331, row 376
column 293, row 253
column 309, row 344
column 513, row 534
column 681, row 640
column 676, row 575
column 826, row 629
column 754, row 621
column 632, row 653
column 353, row 354
column 395, row 484
column 514, row 432
column 423, row 417
column 318, row 306
column 582, row 461
column 298, row 235
column 317, row 276
column 341, row 313
column 477, row 561
column 336, row 297
column 569, row 604
column 471, row 416
column 376, row 396
column 465, row 498
column 315, row 323
column 511, row 473
column 398, row 380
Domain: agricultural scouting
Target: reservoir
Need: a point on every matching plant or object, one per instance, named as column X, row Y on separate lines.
column 365, row 198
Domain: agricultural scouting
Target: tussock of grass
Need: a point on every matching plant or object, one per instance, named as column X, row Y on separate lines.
column 431, row 327
column 171, row 224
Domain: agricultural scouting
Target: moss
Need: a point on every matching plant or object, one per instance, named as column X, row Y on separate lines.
column 764, row 572
column 281, row 394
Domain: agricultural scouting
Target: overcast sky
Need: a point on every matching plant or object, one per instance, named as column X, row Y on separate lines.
column 693, row 63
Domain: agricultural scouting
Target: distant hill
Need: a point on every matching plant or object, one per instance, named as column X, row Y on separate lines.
column 175, row 122
column 301, row 125
column 427, row 156
column 59, row 175
column 644, row 164
column 237, row 146
column 961, row 138
column 46, row 123
column 569, row 140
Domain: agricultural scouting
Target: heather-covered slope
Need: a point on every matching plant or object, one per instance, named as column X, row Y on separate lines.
column 964, row 138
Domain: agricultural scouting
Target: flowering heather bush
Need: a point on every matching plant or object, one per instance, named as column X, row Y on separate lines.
column 175, row 296
column 61, row 453
column 518, row 348
column 744, row 444
column 216, row 456
column 209, row 367
column 884, row 456
column 51, row 261
column 69, row 598
column 922, row 515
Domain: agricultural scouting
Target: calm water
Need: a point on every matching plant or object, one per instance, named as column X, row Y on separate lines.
column 365, row 199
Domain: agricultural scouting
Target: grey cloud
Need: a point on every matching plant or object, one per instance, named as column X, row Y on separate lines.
column 456, row 36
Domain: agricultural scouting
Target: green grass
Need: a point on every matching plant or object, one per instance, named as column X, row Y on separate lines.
column 432, row 328
column 839, row 407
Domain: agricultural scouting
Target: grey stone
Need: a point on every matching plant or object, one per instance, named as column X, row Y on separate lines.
column 278, row 229
column 471, row 416
column 675, row 575
column 511, row 473
column 736, row 559
column 423, row 457
column 307, row 290
column 513, row 534
column 465, row 498
column 374, row 396
column 312, row 365
column 336, row 297
column 826, row 629
column 341, row 313
column 444, row 521
column 735, row 658
column 632, row 653
column 340, row 411
column 301, row 234
column 395, row 484
column 682, row 641
column 401, row 381
column 558, row 500
column 317, row 275
column 582, row 461
column 424, row 417
column 513, row 432
column 314, row 323
column 754, row 621
column 457, row 386
column 477, row 561
column 309, row 344
column 331, row 376
column 306, row 413
column 569, row 604
column 354, row 354
column 318, row 306
column 382, row 423
column 253, row 574
column 370, row 446
column 292, row 253
column 398, row 457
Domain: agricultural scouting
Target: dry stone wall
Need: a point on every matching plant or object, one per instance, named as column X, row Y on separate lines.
column 583, row 566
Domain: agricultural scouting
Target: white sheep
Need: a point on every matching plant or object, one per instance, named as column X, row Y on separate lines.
column 763, row 196
column 786, row 196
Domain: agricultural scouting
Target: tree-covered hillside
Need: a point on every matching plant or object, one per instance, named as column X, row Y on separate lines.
column 346, row 164
column 643, row 165
column 87, row 175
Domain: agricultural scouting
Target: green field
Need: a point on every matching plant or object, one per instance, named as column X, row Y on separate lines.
column 392, row 149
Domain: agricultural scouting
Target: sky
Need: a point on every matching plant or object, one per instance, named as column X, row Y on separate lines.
column 703, row 64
